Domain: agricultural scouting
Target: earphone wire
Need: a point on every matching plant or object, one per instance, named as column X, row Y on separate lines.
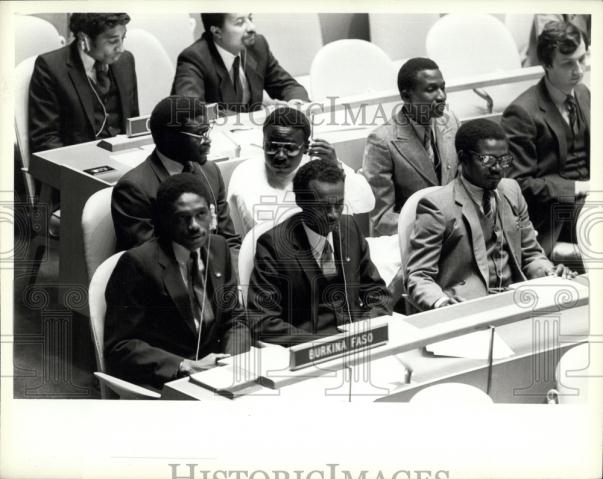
column 106, row 115
column 345, row 283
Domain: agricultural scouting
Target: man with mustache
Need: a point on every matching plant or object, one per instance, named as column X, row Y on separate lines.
column 181, row 134
column 415, row 149
column 313, row 272
column 231, row 65
column 548, row 127
column 473, row 237
column 172, row 302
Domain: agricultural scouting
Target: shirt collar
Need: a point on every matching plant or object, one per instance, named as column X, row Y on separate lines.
column 183, row 255
column 172, row 167
column 420, row 130
column 557, row 95
column 317, row 242
column 227, row 57
column 475, row 192
column 87, row 61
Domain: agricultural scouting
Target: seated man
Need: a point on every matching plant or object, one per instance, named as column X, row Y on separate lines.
column 166, row 310
column 232, row 66
column 180, row 131
column 313, row 271
column 415, row 149
column 548, row 127
column 85, row 90
column 258, row 188
column 473, row 236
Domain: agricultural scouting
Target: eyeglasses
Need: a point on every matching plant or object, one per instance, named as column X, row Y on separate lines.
column 504, row 161
column 203, row 138
column 291, row 149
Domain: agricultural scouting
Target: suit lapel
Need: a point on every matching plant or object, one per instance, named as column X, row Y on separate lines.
column 160, row 172
column 508, row 222
column 176, row 288
column 302, row 251
column 553, row 118
column 469, row 212
column 412, row 150
column 215, row 283
column 121, row 83
column 80, row 83
column 445, row 144
column 255, row 81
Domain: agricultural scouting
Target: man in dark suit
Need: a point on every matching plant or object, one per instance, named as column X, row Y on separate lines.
column 548, row 127
column 415, row 149
column 473, row 236
column 85, row 90
column 181, row 133
column 172, row 303
column 313, row 273
column 231, row 65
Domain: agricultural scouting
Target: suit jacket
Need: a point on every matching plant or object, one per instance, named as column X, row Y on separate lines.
column 397, row 165
column 200, row 72
column 149, row 324
column 536, row 134
column 283, row 293
column 447, row 253
column 134, row 196
column 61, row 102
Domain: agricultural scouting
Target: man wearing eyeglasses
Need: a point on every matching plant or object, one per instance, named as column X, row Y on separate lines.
column 473, row 237
column 259, row 187
column 181, row 134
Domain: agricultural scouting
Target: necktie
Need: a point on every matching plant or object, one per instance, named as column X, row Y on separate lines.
column 327, row 261
column 487, row 205
column 235, row 79
column 195, row 285
column 103, row 82
column 436, row 156
column 570, row 103
column 189, row 167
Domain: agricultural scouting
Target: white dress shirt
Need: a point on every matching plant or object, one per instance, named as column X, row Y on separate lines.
column 228, row 59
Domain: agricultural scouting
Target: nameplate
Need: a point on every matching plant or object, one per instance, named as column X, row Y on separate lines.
column 138, row 125
column 332, row 347
column 122, row 142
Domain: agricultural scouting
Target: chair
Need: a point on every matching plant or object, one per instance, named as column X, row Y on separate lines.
column 98, row 230
column 34, row 36
column 175, row 31
column 154, row 69
column 401, row 36
column 98, row 307
column 466, row 45
column 520, row 26
column 575, row 374
column 247, row 251
column 350, row 67
column 451, row 393
column 295, row 56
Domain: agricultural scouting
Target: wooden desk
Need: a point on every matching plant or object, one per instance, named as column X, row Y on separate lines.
column 539, row 320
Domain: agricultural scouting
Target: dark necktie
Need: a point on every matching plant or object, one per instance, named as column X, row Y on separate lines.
column 103, row 82
column 190, row 167
column 235, row 79
column 327, row 261
column 570, row 103
column 487, row 205
column 195, row 284
column 436, row 156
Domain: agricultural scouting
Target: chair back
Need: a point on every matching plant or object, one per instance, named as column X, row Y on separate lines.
column 98, row 230
column 154, row 69
column 23, row 72
column 574, row 374
column 34, row 36
column 451, row 393
column 350, row 67
column 247, row 251
column 520, row 27
column 401, row 36
column 406, row 220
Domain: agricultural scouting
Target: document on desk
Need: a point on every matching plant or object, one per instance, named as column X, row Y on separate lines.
column 471, row 346
column 133, row 157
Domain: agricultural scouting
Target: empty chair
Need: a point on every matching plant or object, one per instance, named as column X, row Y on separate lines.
column 467, row 45
column 350, row 67
column 520, row 26
column 175, row 31
column 34, row 36
column 154, row 69
column 98, row 307
column 98, row 230
column 451, row 393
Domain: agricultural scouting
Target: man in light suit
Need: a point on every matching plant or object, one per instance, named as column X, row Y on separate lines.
column 180, row 131
column 415, row 149
column 473, row 236
column 312, row 272
column 172, row 303
column 231, row 65
column 85, row 90
column 548, row 127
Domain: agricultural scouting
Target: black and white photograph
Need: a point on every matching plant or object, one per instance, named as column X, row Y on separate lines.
column 298, row 241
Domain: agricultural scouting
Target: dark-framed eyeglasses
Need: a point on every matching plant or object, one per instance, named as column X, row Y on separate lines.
column 203, row 138
column 274, row 147
column 504, row 161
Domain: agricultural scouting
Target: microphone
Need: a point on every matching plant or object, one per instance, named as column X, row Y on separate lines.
column 345, row 283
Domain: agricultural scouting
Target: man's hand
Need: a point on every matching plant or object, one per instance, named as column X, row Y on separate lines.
column 582, row 188
column 562, row 271
column 322, row 150
column 449, row 301
column 188, row 366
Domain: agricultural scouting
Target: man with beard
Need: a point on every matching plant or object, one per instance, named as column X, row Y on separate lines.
column 181, row 134
column 415, row 149
column 473, row 237
column 232, row 65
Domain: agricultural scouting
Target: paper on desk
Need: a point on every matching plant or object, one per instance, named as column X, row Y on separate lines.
column 471, row 346
column 133, row 157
